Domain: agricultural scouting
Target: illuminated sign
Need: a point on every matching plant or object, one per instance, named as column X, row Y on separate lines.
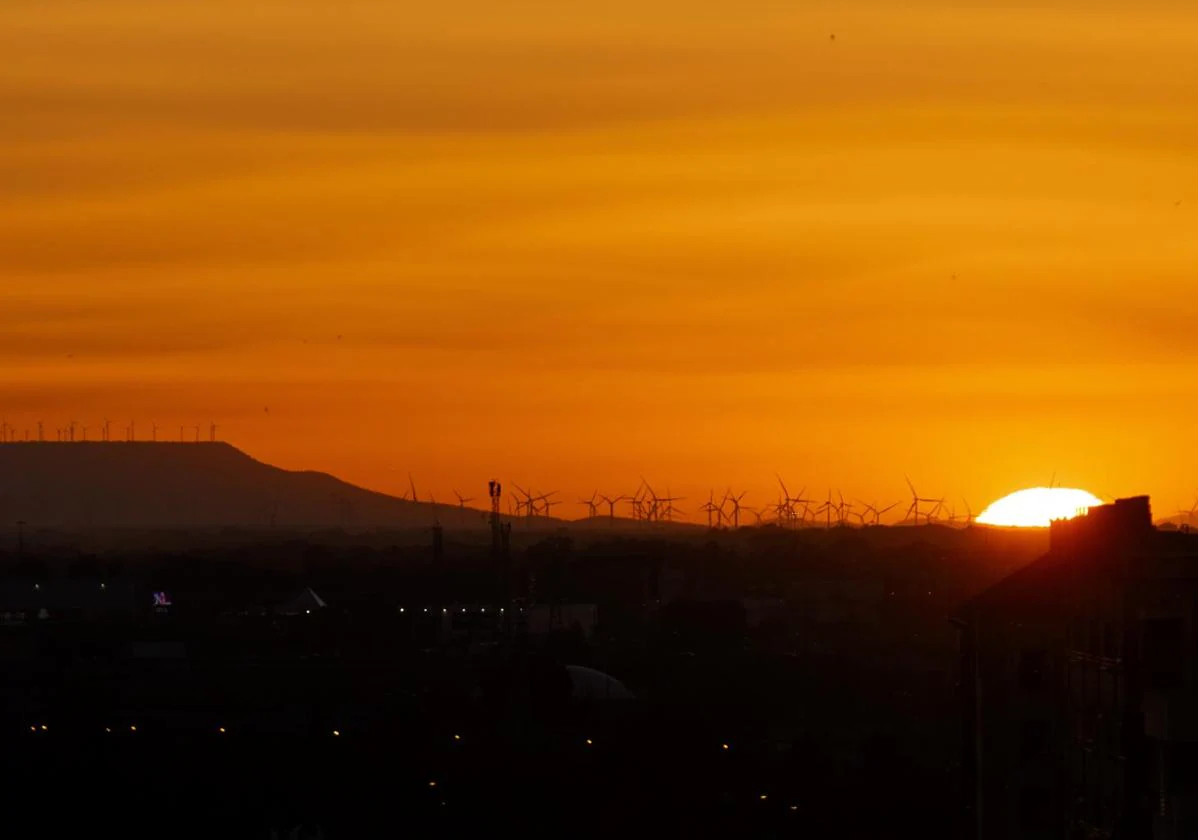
column 161, row 600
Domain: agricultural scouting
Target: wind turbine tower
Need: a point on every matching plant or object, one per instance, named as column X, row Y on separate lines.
column 735, row 502
column 916, row 499
column 611, row 503
column 591, row 505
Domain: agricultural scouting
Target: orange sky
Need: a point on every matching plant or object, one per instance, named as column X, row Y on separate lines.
column 571, row 243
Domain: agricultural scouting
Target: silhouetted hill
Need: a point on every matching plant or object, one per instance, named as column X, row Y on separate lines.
column 85, row 486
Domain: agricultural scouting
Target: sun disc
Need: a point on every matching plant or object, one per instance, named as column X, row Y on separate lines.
column 1038, row 507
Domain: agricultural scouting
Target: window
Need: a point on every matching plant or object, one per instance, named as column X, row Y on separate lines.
column 1033, row 670
column 1162, row 654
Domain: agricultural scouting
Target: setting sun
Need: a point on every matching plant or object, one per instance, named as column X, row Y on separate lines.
column 1037, row 507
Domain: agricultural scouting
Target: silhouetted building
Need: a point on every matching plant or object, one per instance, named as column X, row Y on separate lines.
column 1079, row 686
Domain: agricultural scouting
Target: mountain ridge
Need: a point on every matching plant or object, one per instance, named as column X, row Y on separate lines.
column 169, row 485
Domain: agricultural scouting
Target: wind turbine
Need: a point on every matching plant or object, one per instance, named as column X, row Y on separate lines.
column 843, row 510
column 863, row 513
column 711, row 508
column 668, row 511
column 826, row 508
column 546, row 504
column 461, row 500
column 879, row 512
column 735, row 502
column 785, row 507
column 913, row 511
column 651, row 511
column 788, row 504
column 1188, row 514
column 611, row 504
column 638, row 500
column 591, row 505
column 527, row 504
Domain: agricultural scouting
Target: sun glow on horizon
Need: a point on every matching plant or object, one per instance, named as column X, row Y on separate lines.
column 1038, row 507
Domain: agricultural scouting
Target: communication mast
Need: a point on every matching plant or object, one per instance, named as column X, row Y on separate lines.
column 501, row 535
column 495, row 491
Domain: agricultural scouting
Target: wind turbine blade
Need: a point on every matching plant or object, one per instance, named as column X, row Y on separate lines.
column 785, row 492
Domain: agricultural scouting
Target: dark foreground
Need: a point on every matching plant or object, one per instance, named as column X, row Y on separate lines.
column 785, row 685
